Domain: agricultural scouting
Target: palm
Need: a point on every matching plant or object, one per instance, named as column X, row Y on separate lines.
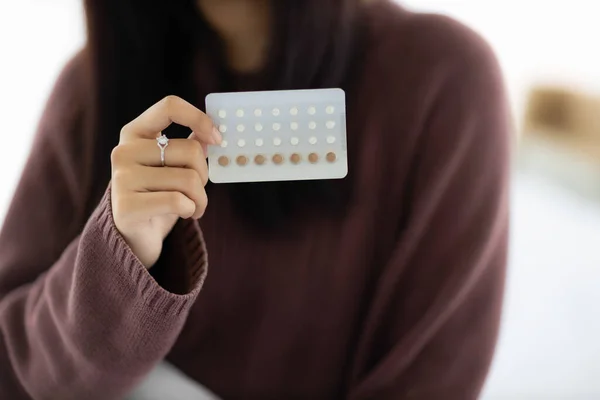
column 163, row 224
column 148, row 239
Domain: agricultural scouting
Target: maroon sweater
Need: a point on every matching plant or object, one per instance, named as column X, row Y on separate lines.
column 399, row 299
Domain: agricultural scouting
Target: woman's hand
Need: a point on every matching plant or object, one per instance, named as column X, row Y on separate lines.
column 147, row 198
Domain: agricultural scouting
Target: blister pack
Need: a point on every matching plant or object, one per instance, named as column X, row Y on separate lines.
column 278, row 135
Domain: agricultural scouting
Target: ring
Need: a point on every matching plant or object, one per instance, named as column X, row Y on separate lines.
column 162, row 142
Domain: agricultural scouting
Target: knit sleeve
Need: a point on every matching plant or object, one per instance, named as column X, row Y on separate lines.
column 431, row 329
column 80, row 316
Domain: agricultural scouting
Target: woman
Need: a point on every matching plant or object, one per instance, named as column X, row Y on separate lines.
column 384, row 285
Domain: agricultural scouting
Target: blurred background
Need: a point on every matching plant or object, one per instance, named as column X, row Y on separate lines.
column 550, row 341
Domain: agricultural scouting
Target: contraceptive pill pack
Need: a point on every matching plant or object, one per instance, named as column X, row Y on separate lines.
column 278, row 135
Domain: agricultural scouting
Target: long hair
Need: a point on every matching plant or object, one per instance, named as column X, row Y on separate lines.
column 140, row 51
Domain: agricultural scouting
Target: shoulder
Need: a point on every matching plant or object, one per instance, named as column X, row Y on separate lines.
column 414, row 59
column 403, row 40
column 70, row 88
column 66, row 106
column 429, row 84
column 426, row 65
column 74, row 68
column 60, row 128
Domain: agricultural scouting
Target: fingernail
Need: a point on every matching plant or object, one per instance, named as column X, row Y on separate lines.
column 216, row 135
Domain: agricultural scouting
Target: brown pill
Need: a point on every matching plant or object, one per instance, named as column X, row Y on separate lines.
column 313, row 158
column 295, row 158
column 260, row 160
column 331, row 157
column 223, row 161
column 278, row 159
column 241, row 160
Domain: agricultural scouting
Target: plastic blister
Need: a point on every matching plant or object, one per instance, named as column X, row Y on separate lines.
column 278, row 135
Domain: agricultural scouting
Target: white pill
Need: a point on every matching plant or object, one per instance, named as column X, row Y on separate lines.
column 276, row 126
column 294, row 141
column 329, row 109
column 257, row 112
column 240, row 128
column 258, row 127
column 222, row 113
column 276, row 111
column 312, row 110
column 222, row 128
column 276, row 141
column 330, row 124
column 239, row 113
column 294, row 126
column 312, row 140
column 330, row 139
column 223, row 143
column 312, row 125
column 259, row 142
column 293, row 111
column 241, row 143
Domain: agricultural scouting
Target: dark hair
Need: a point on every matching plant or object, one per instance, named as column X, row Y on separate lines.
column 140, row 51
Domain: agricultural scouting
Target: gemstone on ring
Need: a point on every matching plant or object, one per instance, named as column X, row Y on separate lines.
column 162, row 140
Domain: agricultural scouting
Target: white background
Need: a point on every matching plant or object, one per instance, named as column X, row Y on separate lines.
column 550, row 342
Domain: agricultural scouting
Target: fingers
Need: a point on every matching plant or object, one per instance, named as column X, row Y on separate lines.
column 204, row 146
column 180, row 153
column 178, row 188
column 164, row 113
column 136, row 207
column 139, row 179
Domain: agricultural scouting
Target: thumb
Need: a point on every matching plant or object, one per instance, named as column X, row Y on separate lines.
column 204, row 145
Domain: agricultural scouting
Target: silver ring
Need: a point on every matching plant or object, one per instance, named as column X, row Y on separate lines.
column 162, row 142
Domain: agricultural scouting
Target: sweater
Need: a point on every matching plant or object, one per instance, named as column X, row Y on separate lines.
column 398, row 298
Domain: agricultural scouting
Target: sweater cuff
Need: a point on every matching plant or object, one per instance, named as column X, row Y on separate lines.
column 133, row 274
column 182, row 263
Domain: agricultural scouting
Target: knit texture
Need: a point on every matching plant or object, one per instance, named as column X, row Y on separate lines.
column 400, row 298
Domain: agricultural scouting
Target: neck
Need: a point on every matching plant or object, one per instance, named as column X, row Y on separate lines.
column 244, row 26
